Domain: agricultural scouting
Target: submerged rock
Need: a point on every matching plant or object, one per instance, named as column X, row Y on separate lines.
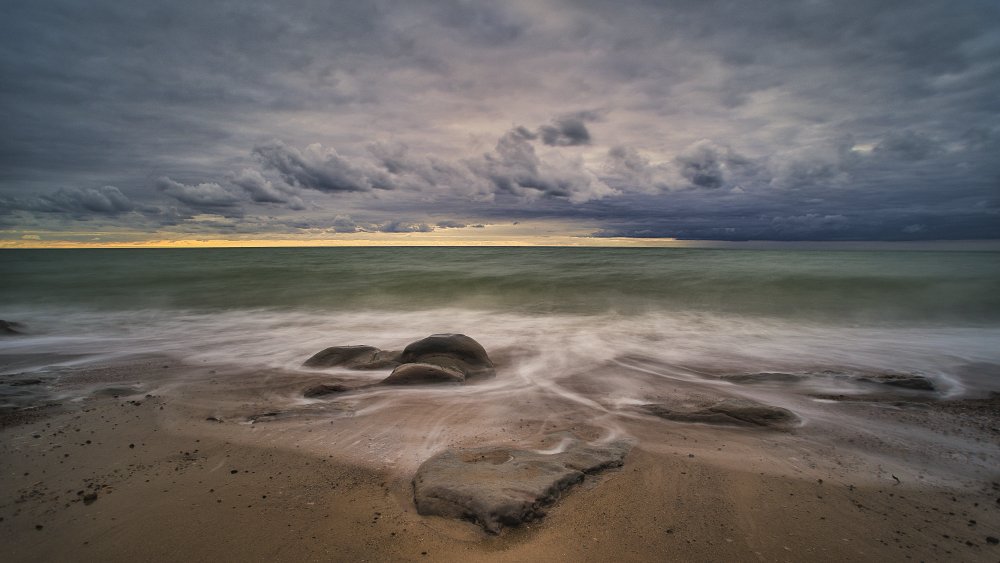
column 9, row 327
column 738, row 412
column 496, row 487
column 764, row 377
column 905, row 381
column 354, row 357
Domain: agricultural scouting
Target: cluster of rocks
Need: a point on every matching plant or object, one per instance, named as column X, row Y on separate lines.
column 493, row 487
column 439, row 358
column 503, row 486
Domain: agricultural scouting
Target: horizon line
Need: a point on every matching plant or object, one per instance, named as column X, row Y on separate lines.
column 576, row 242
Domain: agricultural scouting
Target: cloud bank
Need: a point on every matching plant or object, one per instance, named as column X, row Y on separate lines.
column 823, row 120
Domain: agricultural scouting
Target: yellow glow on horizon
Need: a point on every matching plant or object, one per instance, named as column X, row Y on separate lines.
column 401, row 241
column 532, row 234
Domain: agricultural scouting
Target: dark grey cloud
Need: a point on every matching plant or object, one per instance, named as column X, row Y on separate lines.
column 106, row 200
column 568, row 131
column 204, row 195
column 706, row 164
column 716, row 119
column 908, row 145
column 319, row 168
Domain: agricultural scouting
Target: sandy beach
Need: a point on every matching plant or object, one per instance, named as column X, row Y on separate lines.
column 127, row 470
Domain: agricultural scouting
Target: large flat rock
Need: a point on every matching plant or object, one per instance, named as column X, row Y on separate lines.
column 497, row 487
column 733, row 412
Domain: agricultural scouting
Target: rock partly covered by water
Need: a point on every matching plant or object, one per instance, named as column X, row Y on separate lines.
column 354, row 357
column 737, row 412
column 909, row 381
column 442, row 358
column 324, row 389
column 904, row 381
column 439, row 358
column 765, row 377
column 497, row 487
column 9, row 327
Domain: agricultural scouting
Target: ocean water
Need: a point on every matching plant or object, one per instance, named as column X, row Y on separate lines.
column 870, row 287
column 743, row 310
column 580, row 337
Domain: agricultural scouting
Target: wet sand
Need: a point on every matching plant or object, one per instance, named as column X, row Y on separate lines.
column 330, row 480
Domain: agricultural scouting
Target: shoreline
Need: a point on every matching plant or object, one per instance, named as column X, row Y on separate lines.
column 686, row 491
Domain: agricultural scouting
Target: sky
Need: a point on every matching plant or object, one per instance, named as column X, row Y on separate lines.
column 501, row 122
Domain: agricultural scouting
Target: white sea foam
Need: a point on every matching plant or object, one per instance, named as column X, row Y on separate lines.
column 586, row 374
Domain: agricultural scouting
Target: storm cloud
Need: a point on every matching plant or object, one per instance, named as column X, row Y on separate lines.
column 785, row 120
column 106, row 200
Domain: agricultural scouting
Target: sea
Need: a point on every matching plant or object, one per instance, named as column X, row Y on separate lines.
column 928, row 312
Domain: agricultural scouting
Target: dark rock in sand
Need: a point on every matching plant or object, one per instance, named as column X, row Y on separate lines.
column 325, row 389
column 764, row 377
column 455, row 352
column 116, row 392
column 354, row 357
column 421, row 374
column 913, row 382
column 739, row 412
column 9, row 327
column 497, row 487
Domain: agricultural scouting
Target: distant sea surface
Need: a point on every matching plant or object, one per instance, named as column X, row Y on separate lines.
column 838, row 286
column 922, row 311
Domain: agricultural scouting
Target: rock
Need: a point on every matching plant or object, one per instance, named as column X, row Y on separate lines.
column 116, row 392
column 264, row 416
column 24, row 382
column 324, row 389
column 451, row 351
column 354, row 357
column 738, row 412
column 420, row 374
column 496, row 487
column 9, row 327
column 776, row 377
column 914, row 382
column 90, row 497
